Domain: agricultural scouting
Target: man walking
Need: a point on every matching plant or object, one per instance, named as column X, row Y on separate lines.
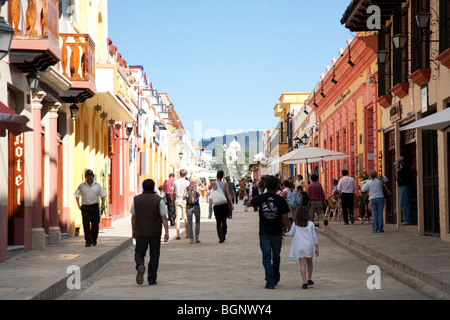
column 167, row 189
column 89, row 192
column 317, row 199
column 148, row 212
column 180, row 205
column 347, row 188
column 273, row 220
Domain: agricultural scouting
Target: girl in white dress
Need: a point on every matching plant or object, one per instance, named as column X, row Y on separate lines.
column 305, row 244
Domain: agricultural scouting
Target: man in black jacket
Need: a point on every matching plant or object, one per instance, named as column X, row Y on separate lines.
column 148, row 216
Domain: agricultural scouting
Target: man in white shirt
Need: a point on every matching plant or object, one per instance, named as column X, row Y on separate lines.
column 89, row 191
column 180, row 205
column 347, row 188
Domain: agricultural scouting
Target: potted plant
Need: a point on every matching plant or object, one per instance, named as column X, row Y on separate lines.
column 105, row 218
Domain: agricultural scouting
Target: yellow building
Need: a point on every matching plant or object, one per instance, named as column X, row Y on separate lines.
column 288, row 107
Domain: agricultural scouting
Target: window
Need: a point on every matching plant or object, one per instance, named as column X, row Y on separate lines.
column 400, row 56
column 444, row 26
column 420, row 41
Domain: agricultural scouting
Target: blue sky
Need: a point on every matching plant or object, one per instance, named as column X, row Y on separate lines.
column 226, row 63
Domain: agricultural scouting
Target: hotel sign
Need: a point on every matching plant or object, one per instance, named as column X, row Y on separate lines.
column 17, row 166
column 342, row 97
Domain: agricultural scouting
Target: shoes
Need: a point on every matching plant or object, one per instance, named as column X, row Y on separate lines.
column 269, row 287
column 197, row 240
column 305, row 286
column 310, row 283
column 325, row 222
column 140, row 274
column 152, row 283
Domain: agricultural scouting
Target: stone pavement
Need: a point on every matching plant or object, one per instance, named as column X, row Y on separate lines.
column 422, row 262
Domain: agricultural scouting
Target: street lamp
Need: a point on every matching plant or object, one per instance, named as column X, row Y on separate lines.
column 33, row 81
column 422, row 19
column 181, row 154
column 399, row 40
column 382, row 56
column 74, row 111
column 6, row 35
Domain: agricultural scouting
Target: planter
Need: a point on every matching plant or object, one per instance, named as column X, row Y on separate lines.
column 107, row 222
column 385, row 101
column 401, row 89
column 444, row 58
column 101, row 225
column 420, row 77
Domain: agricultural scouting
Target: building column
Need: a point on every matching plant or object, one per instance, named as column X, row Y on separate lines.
column 54, row 229
column 38, row 232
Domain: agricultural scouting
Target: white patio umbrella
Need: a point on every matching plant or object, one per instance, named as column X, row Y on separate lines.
column 308, row 154
column 205, row 174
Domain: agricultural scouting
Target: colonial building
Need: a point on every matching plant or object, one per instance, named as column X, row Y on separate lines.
column 344, row 103
column 414, row 95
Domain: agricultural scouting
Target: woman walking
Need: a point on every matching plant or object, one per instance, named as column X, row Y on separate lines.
column 305, row 244
column 376, row 199
column 192, row 197
column 222, row 211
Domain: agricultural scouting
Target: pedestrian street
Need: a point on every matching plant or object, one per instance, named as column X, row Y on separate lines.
column 233, row 270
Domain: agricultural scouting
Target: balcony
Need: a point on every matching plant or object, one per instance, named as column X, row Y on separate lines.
column 78, row 65
column 35, row 44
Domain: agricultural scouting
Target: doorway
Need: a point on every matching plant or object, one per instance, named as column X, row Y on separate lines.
column 430, row 183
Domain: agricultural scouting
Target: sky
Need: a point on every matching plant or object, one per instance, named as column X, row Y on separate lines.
column 225, row 64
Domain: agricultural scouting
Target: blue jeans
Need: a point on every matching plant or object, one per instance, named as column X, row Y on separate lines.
column 404, row 193
column 271, row 249
column 377, row 206
column 190, row 212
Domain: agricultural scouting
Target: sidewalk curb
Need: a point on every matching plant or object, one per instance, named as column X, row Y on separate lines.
column 60, row 287
column 443, row 289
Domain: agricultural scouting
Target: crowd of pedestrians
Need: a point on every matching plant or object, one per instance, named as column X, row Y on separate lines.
column 286, row 208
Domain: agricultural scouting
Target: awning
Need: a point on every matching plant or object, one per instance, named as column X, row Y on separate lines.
column 437, row 121
column 14, row 123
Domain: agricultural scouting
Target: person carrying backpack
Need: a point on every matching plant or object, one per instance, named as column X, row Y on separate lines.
column 192, row 197
column 294, row 201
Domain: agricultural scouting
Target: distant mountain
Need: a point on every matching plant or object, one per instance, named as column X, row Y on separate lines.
column 249, row 141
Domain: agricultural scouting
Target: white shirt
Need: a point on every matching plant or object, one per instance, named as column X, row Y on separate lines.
column 347, row 185
column 375, row 188
column 162, row 208
column 89, row 194
column 178, row 186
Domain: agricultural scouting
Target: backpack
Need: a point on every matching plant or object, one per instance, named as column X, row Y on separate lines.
column 294, row 199
column 192, row 197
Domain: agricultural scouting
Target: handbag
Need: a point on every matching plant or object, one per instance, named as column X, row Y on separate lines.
column 217, row 196
column 386, row 192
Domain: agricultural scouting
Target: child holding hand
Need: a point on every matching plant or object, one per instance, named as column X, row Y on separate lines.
column 305, row 244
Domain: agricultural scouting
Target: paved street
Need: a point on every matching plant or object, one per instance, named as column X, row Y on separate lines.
column 233, row 270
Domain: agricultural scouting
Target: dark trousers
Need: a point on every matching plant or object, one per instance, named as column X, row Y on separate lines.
column 142, row 244
column 221, row 213
column 91, row 219
column 347, row 206
column 170, row 208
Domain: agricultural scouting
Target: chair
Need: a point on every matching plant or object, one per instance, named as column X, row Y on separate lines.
column 331, row 207
column 338, row 205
